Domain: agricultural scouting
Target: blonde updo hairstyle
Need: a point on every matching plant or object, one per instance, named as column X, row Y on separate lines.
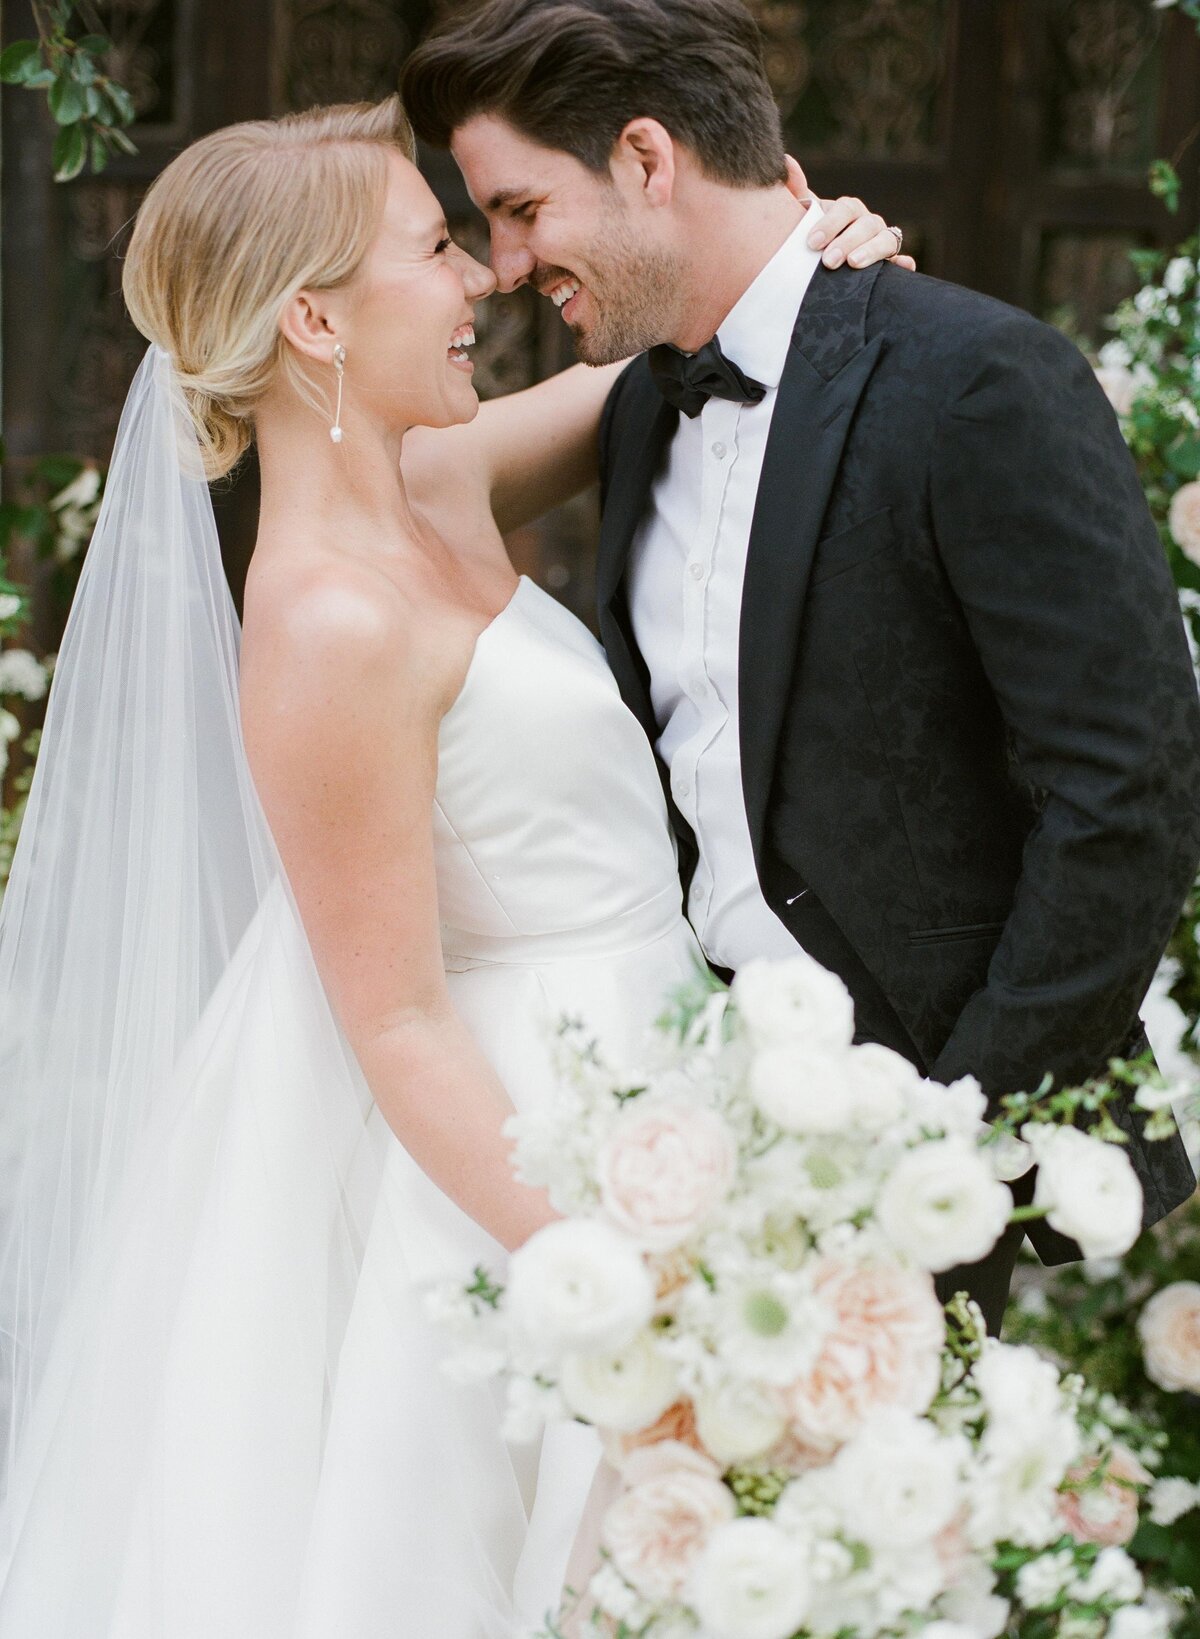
column 234, row 227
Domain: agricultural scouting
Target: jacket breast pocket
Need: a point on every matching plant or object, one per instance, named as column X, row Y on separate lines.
column 849, row 547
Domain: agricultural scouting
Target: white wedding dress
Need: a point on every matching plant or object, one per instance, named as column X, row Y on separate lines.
column 191, row 1473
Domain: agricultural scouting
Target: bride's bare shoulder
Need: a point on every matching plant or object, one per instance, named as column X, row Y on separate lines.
column 331, row 638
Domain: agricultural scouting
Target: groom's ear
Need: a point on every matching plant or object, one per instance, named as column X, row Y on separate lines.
column 644, row 161
column 797, row 182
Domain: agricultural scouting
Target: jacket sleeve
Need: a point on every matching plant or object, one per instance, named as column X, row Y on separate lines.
column 1045, row 536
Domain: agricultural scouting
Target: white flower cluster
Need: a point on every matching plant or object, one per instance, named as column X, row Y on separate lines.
column 22, row 673
column 740, row 1298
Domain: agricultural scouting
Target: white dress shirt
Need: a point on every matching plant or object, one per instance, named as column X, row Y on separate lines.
column 687, row 567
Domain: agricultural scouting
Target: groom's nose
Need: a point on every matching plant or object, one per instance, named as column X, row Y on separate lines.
column 512, row 262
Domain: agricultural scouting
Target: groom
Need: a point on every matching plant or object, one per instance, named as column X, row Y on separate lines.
column 875, row 572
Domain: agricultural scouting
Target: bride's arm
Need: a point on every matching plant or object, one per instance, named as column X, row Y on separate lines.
column 342, row 693
column 535, row 449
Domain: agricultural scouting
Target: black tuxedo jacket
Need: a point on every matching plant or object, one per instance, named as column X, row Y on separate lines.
column 970, row 731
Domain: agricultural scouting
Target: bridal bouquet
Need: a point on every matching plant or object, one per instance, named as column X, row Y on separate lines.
column 740, row 1299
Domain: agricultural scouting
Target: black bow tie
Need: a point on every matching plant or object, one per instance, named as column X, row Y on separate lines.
column 689, row 380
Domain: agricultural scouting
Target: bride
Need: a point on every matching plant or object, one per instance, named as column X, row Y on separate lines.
column 259, row 1038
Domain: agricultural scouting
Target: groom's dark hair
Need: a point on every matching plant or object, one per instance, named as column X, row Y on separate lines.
column 571, row 74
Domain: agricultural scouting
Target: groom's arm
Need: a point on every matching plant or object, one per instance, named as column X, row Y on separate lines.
column 1045, row 536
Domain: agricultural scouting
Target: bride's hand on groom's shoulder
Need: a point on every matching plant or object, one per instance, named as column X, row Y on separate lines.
column 848, row 231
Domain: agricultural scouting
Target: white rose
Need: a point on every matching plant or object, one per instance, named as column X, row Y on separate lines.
column 803, row 1090
column 1088, row 1188
column 1171, row 1498
column 736, row 1423
column 579, row 1287
column 943, row 1205
column 663, row 1169
column 1169, row 1329
column 751, row 1582
column 1178, row 275
column 1139, row 1622
column 625, row 1391
column 796, row 1000
column 80, row 492
column 21, row 673
column 1184, row 518
column 1113, row 1576
column 898, row 1483
column 1040, row 1582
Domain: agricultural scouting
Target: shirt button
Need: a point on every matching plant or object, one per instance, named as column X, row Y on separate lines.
column 696, row 571
column 685, row 787
column 719, row 450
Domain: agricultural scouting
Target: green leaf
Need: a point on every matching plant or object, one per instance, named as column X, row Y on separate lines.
column 1165, row 183
column 121, row 101
column 119, row 140
column 1184, row 459
column 83, row 68
column 70, row 151
column 94, row 44
column 99, row 152
column 66, row 99
column 21, row 59
column 93, row 102
column 38, row 81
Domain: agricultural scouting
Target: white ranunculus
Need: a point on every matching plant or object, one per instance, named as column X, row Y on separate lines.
column 943, row 1205
column 772, row 1325
column 579, row 1286
column 794, row 1001
column 898, row 1482
column 751, row 1582
column 736, row 1422
column 1169, row 1329
column 877, row 1084
column 1011, row 1157
column 22, row 673
column 1171, row 1498
column 803, row 1090
column 1030, row 1440
column 973, row 1601
column 625, row 1391
column 1088, row 1188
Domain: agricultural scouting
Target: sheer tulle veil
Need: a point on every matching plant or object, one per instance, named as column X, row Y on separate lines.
column 188, row 1167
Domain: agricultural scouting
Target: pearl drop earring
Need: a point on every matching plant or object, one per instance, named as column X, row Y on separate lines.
column 339, row 364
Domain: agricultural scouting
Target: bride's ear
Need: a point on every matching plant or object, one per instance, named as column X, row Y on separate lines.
column 306, row 325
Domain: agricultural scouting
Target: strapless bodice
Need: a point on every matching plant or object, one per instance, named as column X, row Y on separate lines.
column 550, row 825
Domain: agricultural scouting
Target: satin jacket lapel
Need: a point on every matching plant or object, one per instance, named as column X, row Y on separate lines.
column 639, row 442
column 829, row 365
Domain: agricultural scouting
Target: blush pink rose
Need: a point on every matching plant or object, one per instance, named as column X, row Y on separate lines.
column 883, row 1349
column 1107, row 1513
column 1185, row 520
column 1169, row 1327
column 663, row 1170
column 676, row 1426
column 658, row 1528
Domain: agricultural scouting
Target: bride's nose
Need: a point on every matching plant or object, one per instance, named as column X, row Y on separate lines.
column 478, row 279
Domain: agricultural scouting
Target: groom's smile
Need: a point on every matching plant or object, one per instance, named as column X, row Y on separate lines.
column 570, row 233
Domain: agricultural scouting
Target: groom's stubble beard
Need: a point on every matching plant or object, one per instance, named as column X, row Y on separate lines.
column 636, row 292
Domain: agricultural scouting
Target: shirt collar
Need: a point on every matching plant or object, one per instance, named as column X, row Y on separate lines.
column 757, row 331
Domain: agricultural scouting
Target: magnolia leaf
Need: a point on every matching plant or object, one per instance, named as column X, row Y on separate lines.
column 21, row 59
column 66, row 99
column 70, row 151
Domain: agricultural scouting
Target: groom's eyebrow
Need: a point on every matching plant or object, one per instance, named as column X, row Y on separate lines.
column 506, row 196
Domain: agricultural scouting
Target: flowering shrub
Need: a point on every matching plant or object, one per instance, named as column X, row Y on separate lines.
column 740, row 1298
column 54, row 530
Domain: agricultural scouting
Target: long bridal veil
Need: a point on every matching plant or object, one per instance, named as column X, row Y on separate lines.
column 189, row 1164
